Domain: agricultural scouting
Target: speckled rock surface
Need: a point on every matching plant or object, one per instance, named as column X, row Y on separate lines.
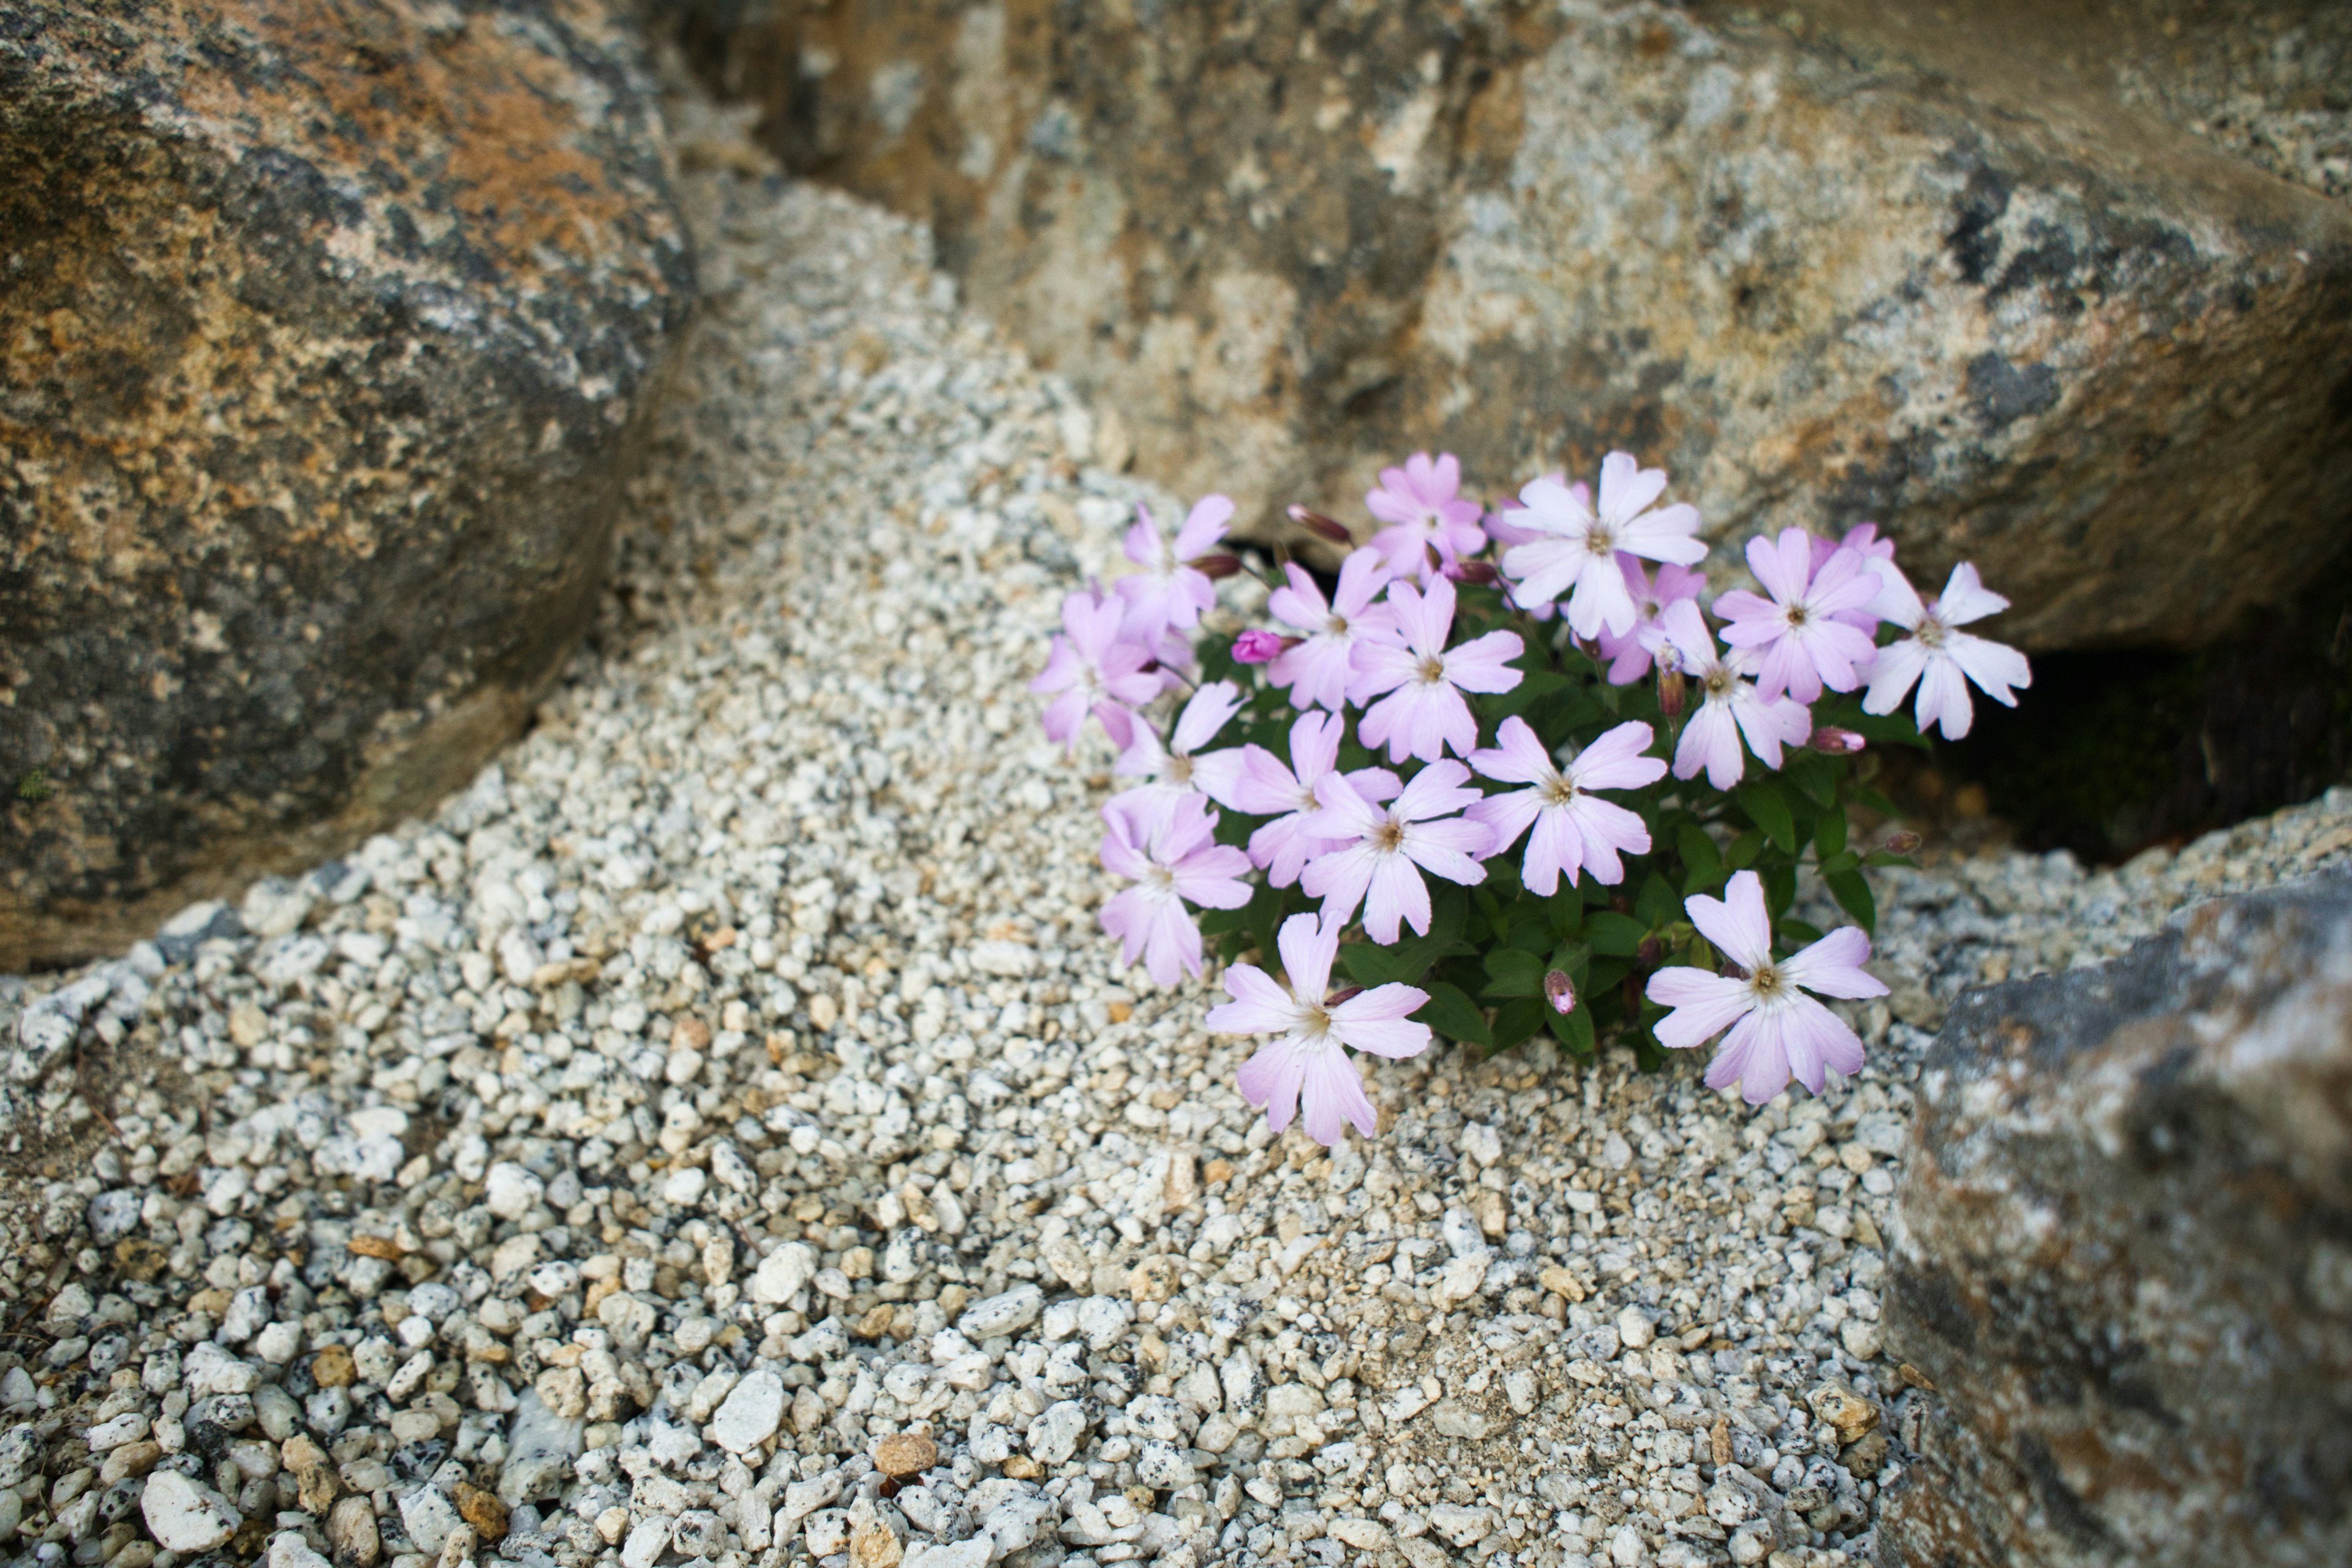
column 325, row 326
column 2119, row 1254
column 2025, row 286
column 749, row 1019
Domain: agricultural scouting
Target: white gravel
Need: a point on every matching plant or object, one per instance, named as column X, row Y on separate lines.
column 735, row 1076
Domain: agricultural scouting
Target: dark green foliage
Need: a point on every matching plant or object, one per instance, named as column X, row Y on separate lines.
column 1488, row 949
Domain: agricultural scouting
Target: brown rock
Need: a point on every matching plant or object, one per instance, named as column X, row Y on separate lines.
column 872, row 1542
column 382, row 1247
column 352, row 1533
column 1998, row 275
column 333, row 1367
column 324, row 325
column 1847, row 1412
column 2120, row 1259
column 1022, row 1468
column 483, row 1511
column 307, row 1464
column 904, row 1454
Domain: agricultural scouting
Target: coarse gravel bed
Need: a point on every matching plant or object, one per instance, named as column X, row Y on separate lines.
column 735, row 1077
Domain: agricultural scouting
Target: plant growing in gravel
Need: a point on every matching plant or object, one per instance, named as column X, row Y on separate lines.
column 1500, row 768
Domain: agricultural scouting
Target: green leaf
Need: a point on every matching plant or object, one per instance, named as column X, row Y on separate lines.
column 1844, row 860
column 1454, row 1016
column 1702, row 861
column 1894, row 729
column 1852, row 890
column 1768, row 810
column 1613, row 933
column 1535, row 685
column 1516, row 1019
column 1657, row 903
column 1744, row 850
column 1513, row 972
column 1574, row 1031
column 1829, row 834
column 1795, row 933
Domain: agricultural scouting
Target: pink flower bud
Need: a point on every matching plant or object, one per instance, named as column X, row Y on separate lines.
column 1561, row 992
column 1670, row 690
column 1316, row 522
column 1902, row 842
column 1217, row 566
column 1474, row 572
column 1836, row 742
column 1256, row 646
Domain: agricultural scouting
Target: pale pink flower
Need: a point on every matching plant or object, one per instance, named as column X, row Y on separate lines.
column 1798, row 633
column 1937, row 656
column 1776, row 1031
column 1505, row 532
column 1384, row 850
column 1306, row 1064
column 1093, row 670
column 1424, row 712
column 1265, row 787
column 1730, row 705
column 1179, row 770
column 1318, row 668
column 1570, row 827
column 1877, row 556
column 1421, row 503
column 1580, row 544
column 1629, row 653
column 1170, row 592
column 1172, row 860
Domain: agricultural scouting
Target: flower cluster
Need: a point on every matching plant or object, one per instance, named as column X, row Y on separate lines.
column 1524, row 737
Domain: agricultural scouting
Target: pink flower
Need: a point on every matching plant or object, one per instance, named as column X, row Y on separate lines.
column 1093, row 671
column 1176, row 773
column 1505, row 532
column 1421, row 504
column 1318, row 670
column 1731, row 706
column 1776, row 1031
column 1578, row 547
column 1307, row 1060
column 1170, row 592
column 1256, row 646
column 1877, row 557
column 1172, row 860
column 1798, row 632
column 1264, row 787
column 1629, row 653
column 1943, row 659
column 1938, row 657
column 1424, row 712
column 1384, row 851
column 1571, row 828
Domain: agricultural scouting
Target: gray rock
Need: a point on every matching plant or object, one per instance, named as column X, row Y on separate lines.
column 2119, row 1253
column 309, row 501
column 1971, row 271
column 1003, row 1314
column 540, row 1446
column 184, row 1516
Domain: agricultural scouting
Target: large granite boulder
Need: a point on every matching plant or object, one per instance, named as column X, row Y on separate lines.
column 2123, row 1256
column 324, row 332
column 2060, row 286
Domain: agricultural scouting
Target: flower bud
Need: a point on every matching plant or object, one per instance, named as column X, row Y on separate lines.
column 1256, row 647
column 1902, row 842
column 1561, row 992
column 1481, row 571
column 1648, row 951
column 1837, row 743
column 1316, row 522
column 1217, row 566
column 1670, row 690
